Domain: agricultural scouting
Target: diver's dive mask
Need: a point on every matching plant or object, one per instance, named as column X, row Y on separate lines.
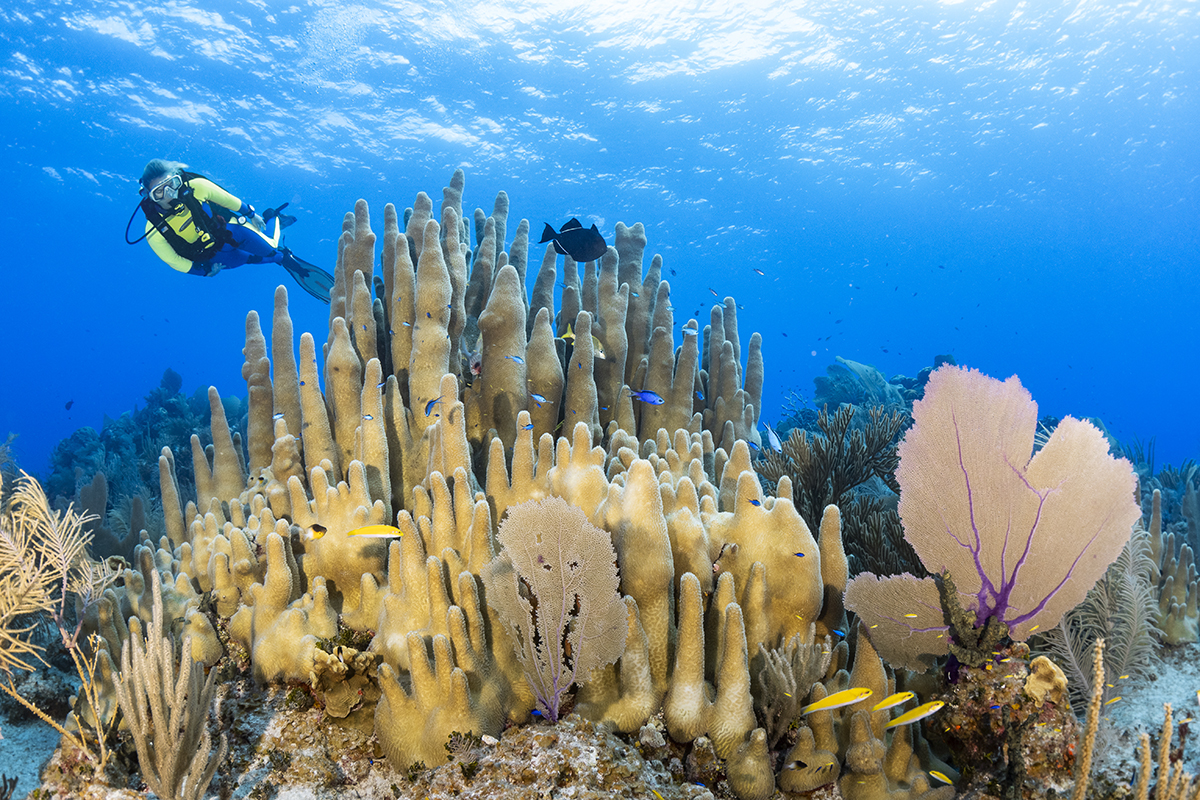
column 169, row 185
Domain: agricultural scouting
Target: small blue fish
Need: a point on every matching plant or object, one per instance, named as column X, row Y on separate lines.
column 537, row 397
column 801, row 555
column 301, row 383
column 700, row 397
column 278, row 416
column 381, row 384
column 368, row 417
column 428, row 315
column 429, row 406
column 647, row 396
column 690, row 332
column 840, row 633
column 754, row 502
column 752, row 446
column 528, row 427
column 773, row 439
column 517, row 359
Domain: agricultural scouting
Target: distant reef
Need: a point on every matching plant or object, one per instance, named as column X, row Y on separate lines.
column 126, row 449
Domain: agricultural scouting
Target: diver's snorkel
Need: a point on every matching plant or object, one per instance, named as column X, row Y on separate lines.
column 136, row 209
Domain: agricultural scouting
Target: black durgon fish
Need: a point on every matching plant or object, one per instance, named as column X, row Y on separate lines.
column 581, row 244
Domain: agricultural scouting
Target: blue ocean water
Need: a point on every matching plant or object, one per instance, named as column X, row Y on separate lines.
column 1012, row 183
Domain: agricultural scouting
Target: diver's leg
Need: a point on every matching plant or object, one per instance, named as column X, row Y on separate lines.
column 249, row 241
column 232, row 258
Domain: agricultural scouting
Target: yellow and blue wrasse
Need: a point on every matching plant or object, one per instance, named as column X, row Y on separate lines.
column 934, row 773
column 893, row 700
column 429, row 406
column 845, row 697
column 920, row 712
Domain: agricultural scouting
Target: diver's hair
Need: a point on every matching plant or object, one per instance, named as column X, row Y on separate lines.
column 159, row 166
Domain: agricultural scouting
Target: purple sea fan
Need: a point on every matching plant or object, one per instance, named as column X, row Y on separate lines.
column 1024, row 538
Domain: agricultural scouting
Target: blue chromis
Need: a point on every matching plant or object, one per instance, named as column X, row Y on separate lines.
column 918, row 713
column 773, row 440
column 845, row 697
column 647, row 396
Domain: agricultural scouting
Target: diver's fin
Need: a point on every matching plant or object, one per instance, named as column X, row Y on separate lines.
column 311, row 278
column 285, row 220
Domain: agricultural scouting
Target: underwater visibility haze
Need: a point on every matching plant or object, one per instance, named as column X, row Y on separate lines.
column 1014, row 184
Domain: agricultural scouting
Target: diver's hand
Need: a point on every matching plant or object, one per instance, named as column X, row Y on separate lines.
column 258, row 222
column 213, row 268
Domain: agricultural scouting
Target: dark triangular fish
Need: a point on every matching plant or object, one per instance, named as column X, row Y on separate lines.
column 581, row 244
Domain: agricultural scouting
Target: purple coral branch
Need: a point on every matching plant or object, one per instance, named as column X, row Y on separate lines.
column 986, row 589
column 1042, row 604
column 1008, row 583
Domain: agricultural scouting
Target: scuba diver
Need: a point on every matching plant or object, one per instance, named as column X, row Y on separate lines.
column 199, row 228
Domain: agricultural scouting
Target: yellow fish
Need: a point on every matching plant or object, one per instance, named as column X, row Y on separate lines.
column 597, row 348
column 940, row 776
column 1113, row 700
column 920, row 712
column 376, row 532
column 316, row 531
column 837, row 700
column 893, row 700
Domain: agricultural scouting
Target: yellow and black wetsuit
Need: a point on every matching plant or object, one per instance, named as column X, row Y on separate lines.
column 193, row 236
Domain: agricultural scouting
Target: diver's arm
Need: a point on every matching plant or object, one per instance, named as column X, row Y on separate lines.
column 163, row 250
column 206, row 190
